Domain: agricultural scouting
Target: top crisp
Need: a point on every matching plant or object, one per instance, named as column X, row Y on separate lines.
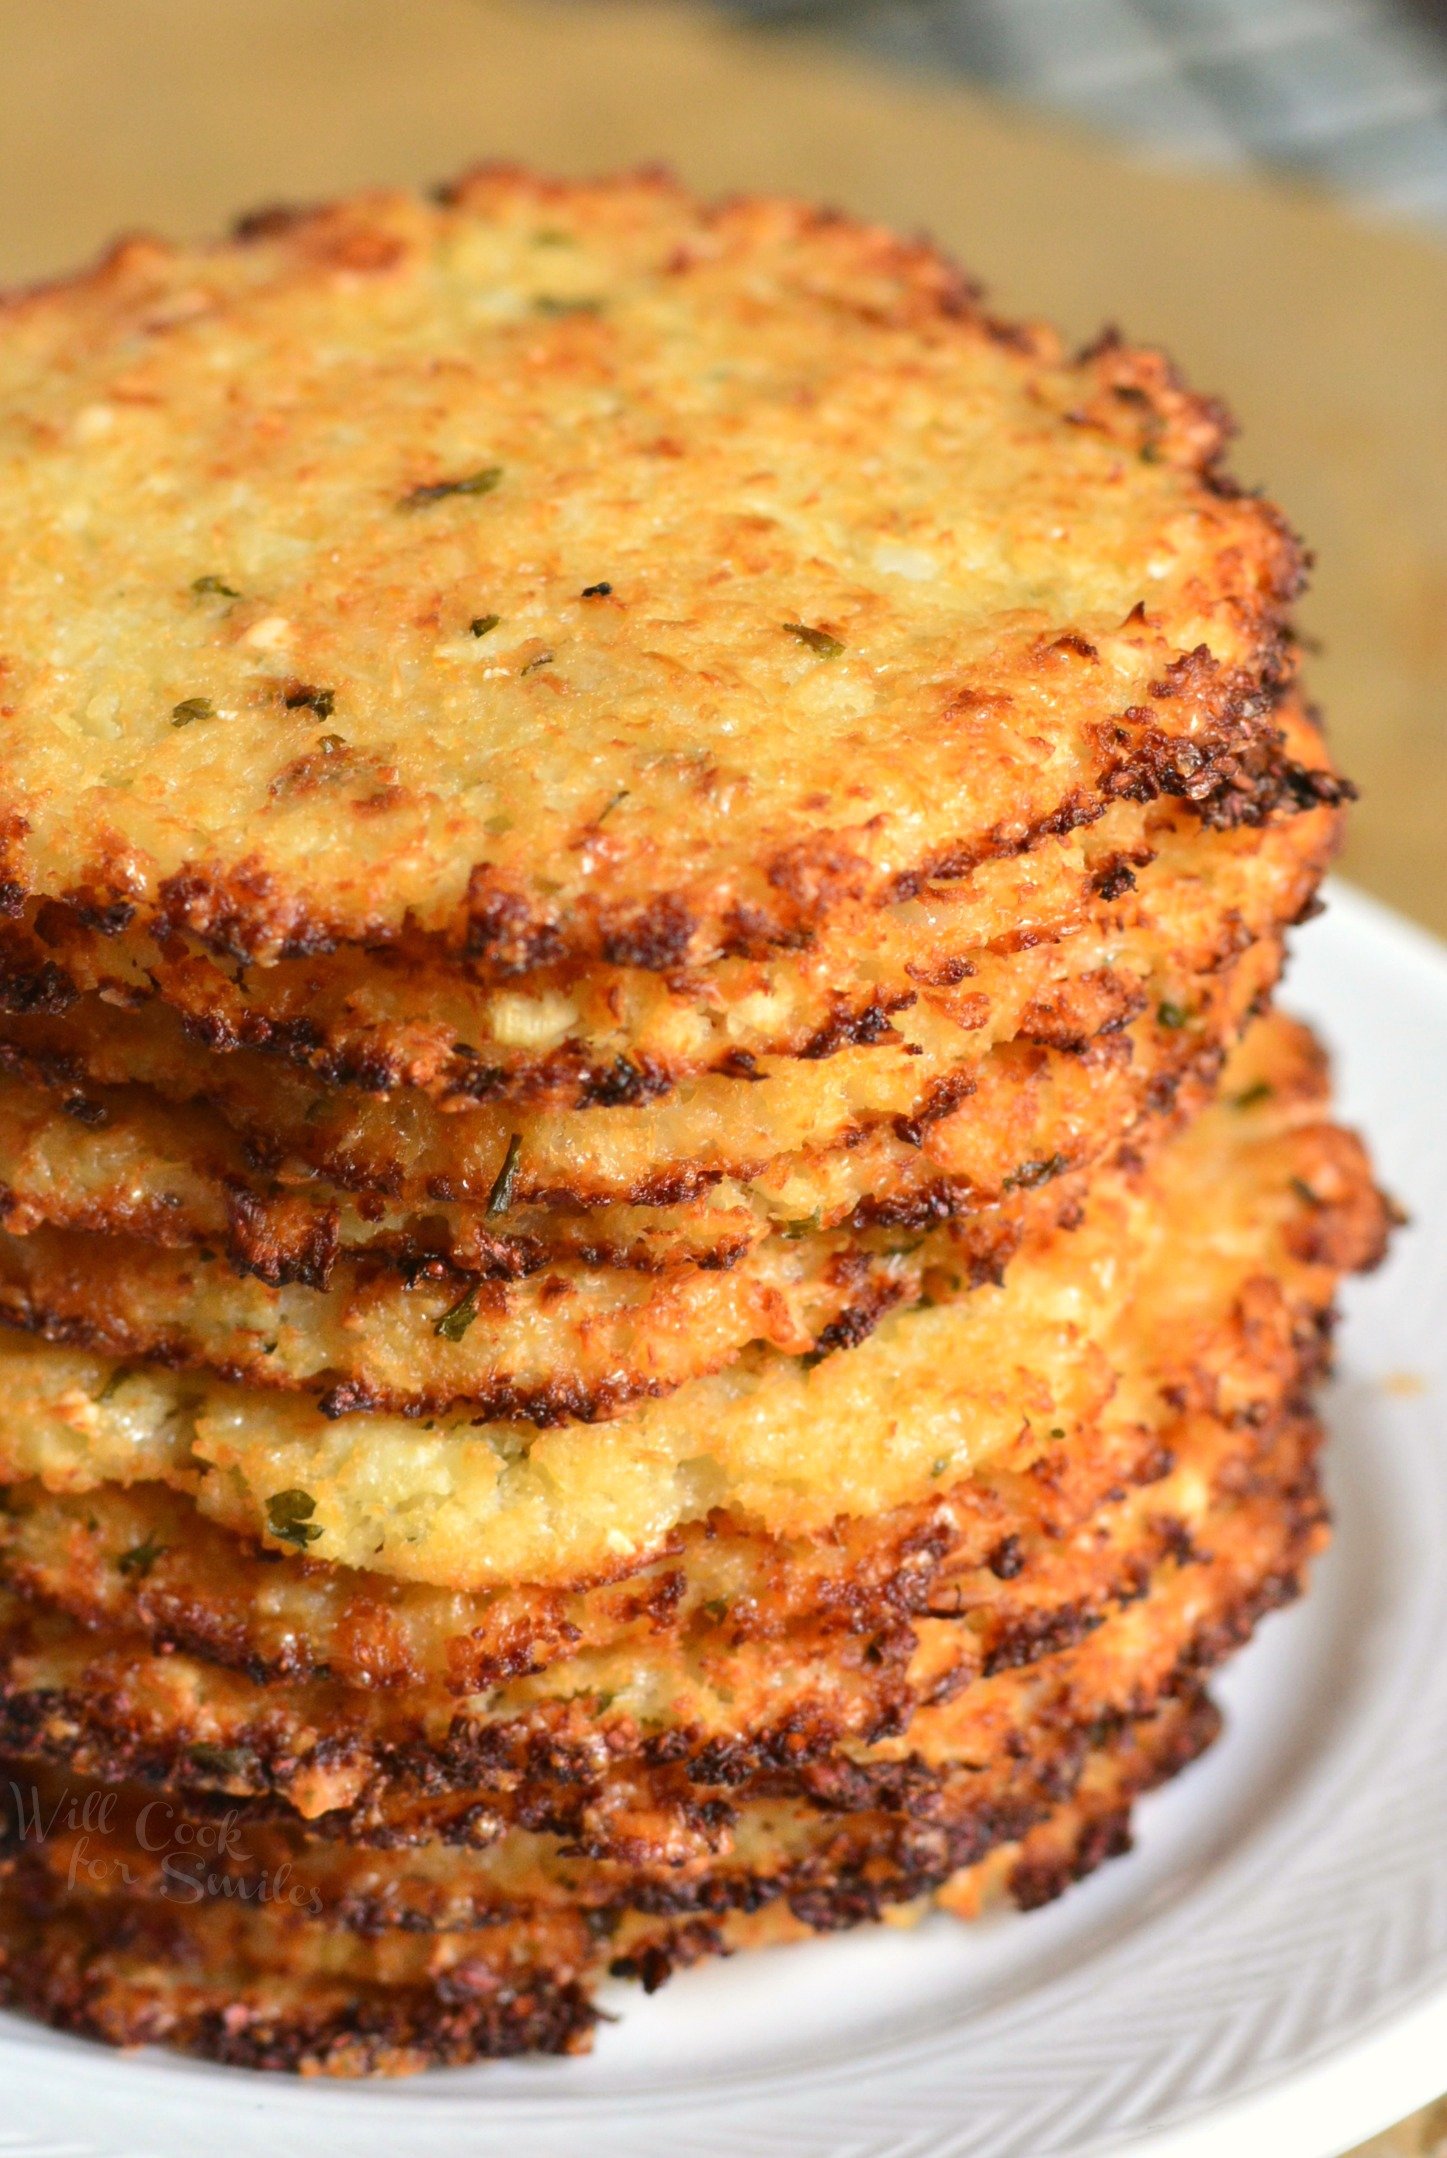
column 560, row 571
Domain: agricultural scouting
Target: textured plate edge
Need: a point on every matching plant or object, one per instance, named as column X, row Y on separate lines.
column 1321, row 2110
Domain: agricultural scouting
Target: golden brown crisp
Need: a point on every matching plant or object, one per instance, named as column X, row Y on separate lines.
column 986, row 1064
column 940, row 971
column 661, row 1267
column 561, row 570
column 650, row 1746
column 1259, row 1188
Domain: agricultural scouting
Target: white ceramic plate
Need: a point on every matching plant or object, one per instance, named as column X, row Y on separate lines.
column 1267, row 1973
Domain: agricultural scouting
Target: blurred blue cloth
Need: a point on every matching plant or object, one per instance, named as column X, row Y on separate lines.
column 1349, row 92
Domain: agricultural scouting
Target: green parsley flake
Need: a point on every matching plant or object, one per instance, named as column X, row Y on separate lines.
column 1031, row 1173
column 471, row 483
column 499, row 1199
column 321, row 701
column 818, row 640
column 192, row 708
column 289, row 1517
column 806, row 1225
column 454, row 1323
column 141, row 1558
column 1251, row 1097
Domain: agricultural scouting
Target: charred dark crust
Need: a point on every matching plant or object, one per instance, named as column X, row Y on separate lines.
column 1225, row 773
column 1230, row 776
column 858, row 1867
column 1186, row 1065
column 73, row 1976
column 307, row 1258
column 33, row 980
column 872, row 1022
column 65, row 1958
column 1036, row 1879
column 548, row 1778
column 1230, row 771
column 909, row 1192
column 272, row 1233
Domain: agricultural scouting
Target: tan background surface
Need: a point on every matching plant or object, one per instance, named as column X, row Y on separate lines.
column 1328, row 338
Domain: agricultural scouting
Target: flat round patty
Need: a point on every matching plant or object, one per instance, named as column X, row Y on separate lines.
column 1258, row 1190
column 578, row 569
column 623, row 1744
column 263, row 1987
column 142, row 1559
column 581, row 1034
column 573, row 1342
column 972, row 1079
column 1093, row 1047
column 641, row 1827
column 125, row 1843
column 700, row 1174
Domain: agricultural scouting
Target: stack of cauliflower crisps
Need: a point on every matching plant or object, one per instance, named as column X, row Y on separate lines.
column 662, row 1267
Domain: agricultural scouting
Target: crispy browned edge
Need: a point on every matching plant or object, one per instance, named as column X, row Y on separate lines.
column 54, row 1952
column 282, row 1234
column 34, row 976
column 865, row 1290
column 631, row 1797
column 888, row 1571
column 1221, row 763
column 874, row 1578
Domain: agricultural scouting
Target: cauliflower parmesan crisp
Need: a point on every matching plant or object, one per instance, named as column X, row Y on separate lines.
column 662, row 1263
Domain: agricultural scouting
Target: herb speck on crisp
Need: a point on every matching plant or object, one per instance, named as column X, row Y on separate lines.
column 500, row 1198
column 454, row 1323
column 289, row 1517
column 321, row 701
column 141, row 1557
column 471, row 483
column 818, row 640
